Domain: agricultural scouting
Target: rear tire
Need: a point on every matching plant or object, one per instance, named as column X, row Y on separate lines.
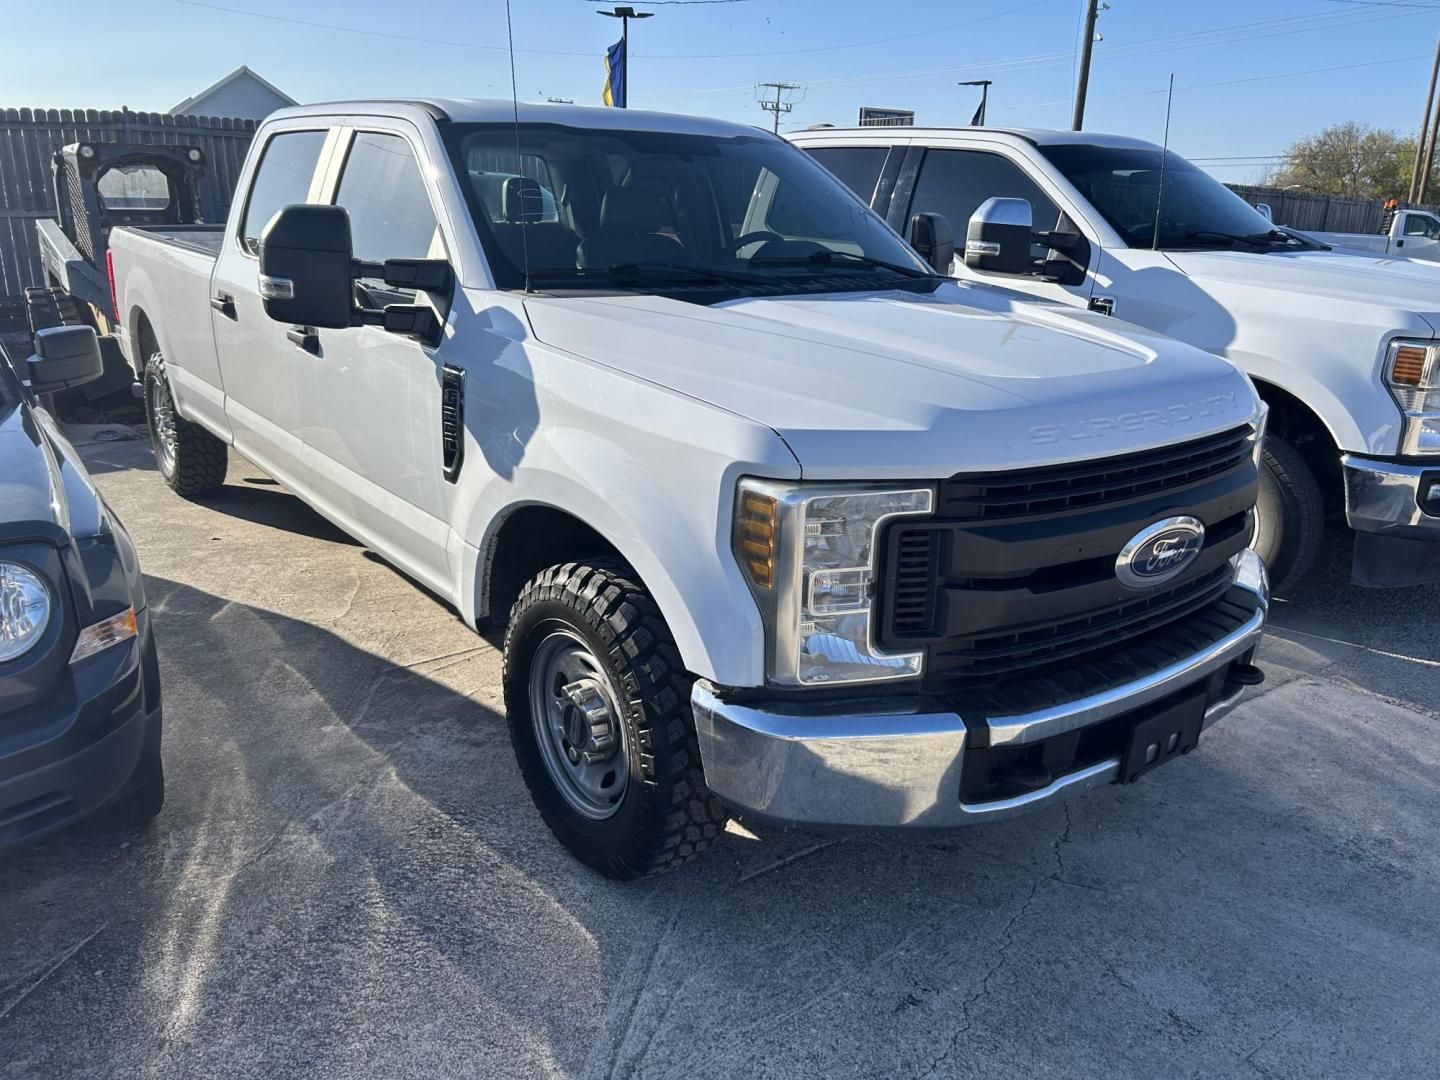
column 1289, row 514
column 594, row 624
column 192, row 461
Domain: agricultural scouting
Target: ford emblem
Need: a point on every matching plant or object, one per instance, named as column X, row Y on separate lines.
column 1160, row 552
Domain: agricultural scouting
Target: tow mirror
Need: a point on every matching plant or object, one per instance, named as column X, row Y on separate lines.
column 305, row 267
column 65, row 356
column 998, row 237
column 934, row 241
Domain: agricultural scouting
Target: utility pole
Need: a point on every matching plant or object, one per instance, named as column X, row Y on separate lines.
column 1082, row 85
column 1429, row 157
column 781, row 103
column 1425, row 145
column 984, row 85
column 625, row 14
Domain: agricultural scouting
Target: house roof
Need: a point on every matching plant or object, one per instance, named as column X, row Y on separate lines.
column 242, row 71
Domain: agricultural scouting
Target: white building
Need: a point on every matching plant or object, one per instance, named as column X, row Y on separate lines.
column 242, row 93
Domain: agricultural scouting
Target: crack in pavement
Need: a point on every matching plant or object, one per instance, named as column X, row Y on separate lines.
column 61, row 959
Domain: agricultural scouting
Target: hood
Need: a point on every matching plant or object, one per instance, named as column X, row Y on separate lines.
column 44, row 491
column 1386, row 293
column 897, row 384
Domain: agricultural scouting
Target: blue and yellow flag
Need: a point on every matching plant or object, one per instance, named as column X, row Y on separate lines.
column 615, row 75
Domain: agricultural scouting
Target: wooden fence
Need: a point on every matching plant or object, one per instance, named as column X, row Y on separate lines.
column 1309, row 212
column 29, row 139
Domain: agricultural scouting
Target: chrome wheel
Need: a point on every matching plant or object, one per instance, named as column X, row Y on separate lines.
column 578, row 726
column 162, row 424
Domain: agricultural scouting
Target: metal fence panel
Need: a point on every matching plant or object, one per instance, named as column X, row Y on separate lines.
column 30, row 137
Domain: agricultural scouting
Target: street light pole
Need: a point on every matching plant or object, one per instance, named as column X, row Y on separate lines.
column 984, row 85
column 625, row 14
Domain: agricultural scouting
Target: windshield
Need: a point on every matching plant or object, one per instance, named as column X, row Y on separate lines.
column 637, row 210
column 1123, row 184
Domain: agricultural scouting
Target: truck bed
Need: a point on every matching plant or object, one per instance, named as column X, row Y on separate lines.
column 205, row 239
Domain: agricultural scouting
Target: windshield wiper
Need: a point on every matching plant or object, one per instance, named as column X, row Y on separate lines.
column 1256, row 239
column 861, row 262
column 634, row 272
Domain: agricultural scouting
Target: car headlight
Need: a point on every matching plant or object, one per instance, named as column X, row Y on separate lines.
column 1412, row 372
column 809, row 553
column 24, row 610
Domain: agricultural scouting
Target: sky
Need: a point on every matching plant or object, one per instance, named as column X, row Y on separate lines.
column 1251, row 76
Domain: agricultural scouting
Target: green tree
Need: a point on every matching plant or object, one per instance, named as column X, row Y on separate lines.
column 1349, row 159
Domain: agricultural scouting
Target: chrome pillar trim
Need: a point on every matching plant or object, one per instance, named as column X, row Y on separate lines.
column 1384, row 497
column 858, row 769
column 1031, row 727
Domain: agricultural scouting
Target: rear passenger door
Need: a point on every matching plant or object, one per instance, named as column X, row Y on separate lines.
column 372, row 417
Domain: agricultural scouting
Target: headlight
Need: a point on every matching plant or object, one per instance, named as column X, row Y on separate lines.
column 809, row 553
column 1412, row 372
column 24, row 610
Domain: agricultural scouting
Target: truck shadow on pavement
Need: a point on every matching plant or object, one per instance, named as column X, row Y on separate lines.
column 349, row 879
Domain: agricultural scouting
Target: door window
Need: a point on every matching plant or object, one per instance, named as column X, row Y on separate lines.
column 282, row 178
column 1422, row 225
column 956, row 182
column 857, row 167
column 390, row 213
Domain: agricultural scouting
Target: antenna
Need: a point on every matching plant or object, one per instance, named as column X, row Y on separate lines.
column 784, row 100
column 515, row 112
column 1164, row 157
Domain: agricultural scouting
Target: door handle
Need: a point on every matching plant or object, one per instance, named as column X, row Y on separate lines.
column 225, row 304
column 1105, row 305
column 305, row 337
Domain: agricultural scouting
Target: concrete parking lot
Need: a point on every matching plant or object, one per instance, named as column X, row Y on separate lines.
column 349, row 878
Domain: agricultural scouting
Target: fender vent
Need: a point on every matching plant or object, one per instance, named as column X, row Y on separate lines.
column 452, row 420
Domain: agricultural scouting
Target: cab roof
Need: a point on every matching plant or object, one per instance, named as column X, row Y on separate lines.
column 503, row 111
column 1035, row 136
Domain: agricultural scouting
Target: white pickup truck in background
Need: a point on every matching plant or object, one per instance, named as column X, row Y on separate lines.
column 781, row 521
column 1342, row 346
column 1408, row 234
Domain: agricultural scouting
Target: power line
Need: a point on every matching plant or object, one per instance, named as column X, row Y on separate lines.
column 784, row 99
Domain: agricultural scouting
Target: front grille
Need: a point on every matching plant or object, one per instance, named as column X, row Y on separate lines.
column 1057, row 488
column 1035, row 648
column 1014, row 576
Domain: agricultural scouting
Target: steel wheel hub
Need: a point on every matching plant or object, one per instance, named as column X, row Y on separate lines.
column 577, row 725
column 162, row 422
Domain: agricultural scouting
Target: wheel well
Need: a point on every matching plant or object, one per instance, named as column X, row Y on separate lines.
column 1297, row 424
column 146, row 343
column 528, row 541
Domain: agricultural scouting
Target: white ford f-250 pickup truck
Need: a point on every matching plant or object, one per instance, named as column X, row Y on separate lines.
column 783, row 522
column 1344, row 347
column 1409, row 234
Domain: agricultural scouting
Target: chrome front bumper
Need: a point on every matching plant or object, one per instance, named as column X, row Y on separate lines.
column 901, row 766
column 1384, row 497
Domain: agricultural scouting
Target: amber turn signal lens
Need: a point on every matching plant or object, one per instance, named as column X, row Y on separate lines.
column 755, row 537
column 1408, row 367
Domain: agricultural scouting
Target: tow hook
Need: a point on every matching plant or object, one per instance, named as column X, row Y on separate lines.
column 1244, row 675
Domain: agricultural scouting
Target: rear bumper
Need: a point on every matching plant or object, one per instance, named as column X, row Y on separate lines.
column 901, row 765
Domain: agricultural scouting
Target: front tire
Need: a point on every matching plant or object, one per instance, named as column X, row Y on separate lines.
column 192, row 461
column 598, row 706
column 1289, row 514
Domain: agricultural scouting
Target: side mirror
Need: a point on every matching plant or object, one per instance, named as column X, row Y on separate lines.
column 1263, row 209
column 305, row 267
column 934, row 240
column 65, row 356
column 998, row 237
